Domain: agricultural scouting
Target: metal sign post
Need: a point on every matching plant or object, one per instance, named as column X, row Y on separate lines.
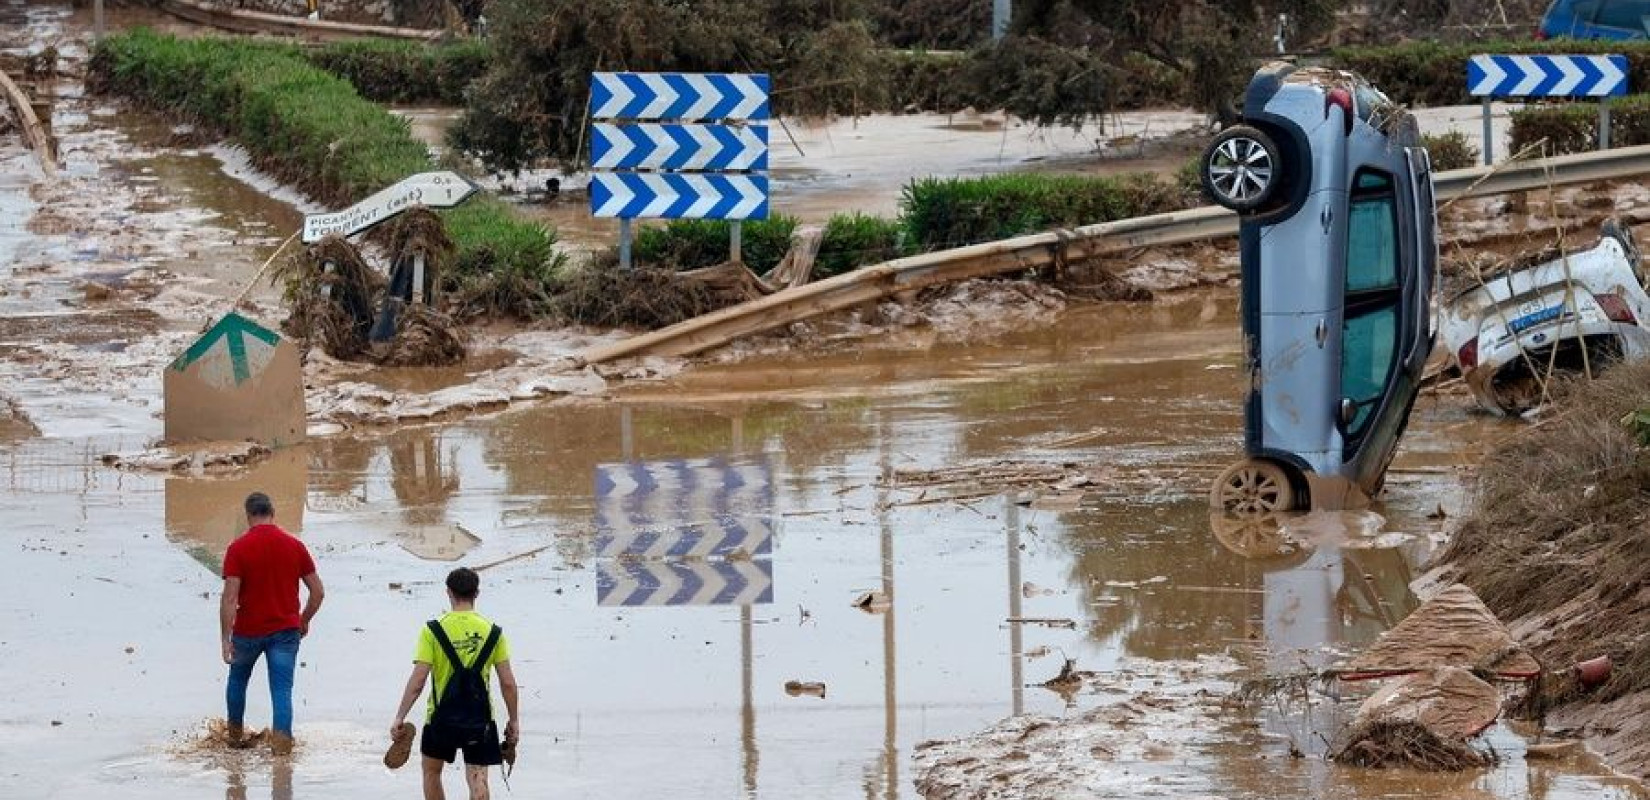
column 1538, row 76
column 678, row 146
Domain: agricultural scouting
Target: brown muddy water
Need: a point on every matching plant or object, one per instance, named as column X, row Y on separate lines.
column 114, row 577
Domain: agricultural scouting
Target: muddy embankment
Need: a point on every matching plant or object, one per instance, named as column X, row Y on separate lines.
column 1557, row 543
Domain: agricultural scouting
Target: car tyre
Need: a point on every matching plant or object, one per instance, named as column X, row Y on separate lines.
column 1241, row 169
column 1252, row 487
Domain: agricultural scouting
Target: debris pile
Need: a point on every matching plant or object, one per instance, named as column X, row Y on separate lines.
column 1423, row 721
column 424, row 337
column 1558, row 544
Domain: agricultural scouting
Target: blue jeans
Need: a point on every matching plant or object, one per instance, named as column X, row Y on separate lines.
column 280, row 650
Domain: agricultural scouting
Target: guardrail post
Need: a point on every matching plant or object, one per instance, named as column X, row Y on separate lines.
column 1603, row 124
column 1489, row 134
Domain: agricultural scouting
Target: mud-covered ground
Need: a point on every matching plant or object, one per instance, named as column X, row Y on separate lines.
column 115, row 266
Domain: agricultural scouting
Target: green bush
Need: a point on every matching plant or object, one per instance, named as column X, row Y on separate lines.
column 310, row 129
column 684, row 244
column 855, row 240
column 1573, row 127
column 1450, row 150
column 1425, row 73
column 390, row 71
column 951, row 212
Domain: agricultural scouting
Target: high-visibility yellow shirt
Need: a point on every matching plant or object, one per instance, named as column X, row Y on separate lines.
column 468, row 631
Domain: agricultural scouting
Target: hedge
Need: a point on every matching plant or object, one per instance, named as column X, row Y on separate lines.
column 952, row 212
column 391, row 71
column 685, row 244
column 310, row 129
column 1423, row 73
column 1573, row 127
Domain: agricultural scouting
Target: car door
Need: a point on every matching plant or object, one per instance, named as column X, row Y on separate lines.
column 1371, row 327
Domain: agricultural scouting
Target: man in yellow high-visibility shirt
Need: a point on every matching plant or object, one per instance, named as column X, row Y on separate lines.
column 458, row 651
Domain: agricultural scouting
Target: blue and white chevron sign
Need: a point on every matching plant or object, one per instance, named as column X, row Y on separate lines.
column 697, row 147
column 685, row 583
column 671, row 195
column 1547, row 76
column 653, row 95
column 685, row 508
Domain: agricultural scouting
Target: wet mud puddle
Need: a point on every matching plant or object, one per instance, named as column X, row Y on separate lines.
column 678, row 568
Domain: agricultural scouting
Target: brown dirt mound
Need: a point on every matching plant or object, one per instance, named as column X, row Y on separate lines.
column 1453, row 629
column 1558, row 545
column 1388, row 743
column 635, row 298
column 424, row 338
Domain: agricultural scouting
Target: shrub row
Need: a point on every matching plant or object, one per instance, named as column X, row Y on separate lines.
column 313, row 130
column 1423, row 73
column 391, row 71
column 1573, row 127
column 935, row 214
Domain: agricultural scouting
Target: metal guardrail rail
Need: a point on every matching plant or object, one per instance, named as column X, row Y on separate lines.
column 1045, row 249
column 245, row 21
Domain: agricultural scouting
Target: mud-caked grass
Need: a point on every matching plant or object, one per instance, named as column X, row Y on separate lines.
column 953, row 212
column 1410, row 745
column 330, row 308
column 1559, row 530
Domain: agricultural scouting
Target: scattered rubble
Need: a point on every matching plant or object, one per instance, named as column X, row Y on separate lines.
column 202, row 458
column 805, row 688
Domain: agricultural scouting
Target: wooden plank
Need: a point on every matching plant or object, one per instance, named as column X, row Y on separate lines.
column 34, row 132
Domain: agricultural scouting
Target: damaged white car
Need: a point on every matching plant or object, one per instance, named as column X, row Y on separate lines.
column 1509, row 331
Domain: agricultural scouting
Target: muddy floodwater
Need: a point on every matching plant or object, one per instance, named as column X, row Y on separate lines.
column 111, row 607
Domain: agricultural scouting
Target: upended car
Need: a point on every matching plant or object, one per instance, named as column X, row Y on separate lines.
column 1339, row 254
column 1513, row 328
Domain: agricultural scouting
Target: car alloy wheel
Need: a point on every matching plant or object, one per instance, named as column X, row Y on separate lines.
column 1252, row 487
column 1240, row 169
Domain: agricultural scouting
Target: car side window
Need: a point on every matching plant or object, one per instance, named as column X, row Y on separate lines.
column 1628, row 15
column 1368, row 345
column 1372, row 234
column 1584, row 11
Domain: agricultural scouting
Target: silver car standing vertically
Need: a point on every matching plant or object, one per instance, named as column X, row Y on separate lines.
column 1339, row 259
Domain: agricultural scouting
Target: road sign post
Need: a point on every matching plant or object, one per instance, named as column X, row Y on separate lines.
column 678, row 146
column 1546, row 76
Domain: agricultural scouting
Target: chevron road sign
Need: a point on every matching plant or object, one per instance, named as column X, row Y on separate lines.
column 1547, row 76
column 686, row 583
column 653, row 96
column 679, row 147
column 238, row 381
column 671, row 195
column 685, row 508
column 434, row 189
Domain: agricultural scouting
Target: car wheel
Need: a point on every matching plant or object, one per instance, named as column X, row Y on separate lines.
column 1252, row 487
column 1241, row 169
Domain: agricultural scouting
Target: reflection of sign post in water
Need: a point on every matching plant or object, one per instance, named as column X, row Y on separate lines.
column 238, row 381
column 685, row 532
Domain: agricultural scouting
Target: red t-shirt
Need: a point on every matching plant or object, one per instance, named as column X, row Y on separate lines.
column 270, row 563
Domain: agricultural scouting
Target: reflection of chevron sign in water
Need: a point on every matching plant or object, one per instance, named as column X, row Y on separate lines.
column 684, row 583
column 685, row 508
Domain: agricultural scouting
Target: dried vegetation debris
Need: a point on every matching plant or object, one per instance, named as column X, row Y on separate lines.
column 1558, row 544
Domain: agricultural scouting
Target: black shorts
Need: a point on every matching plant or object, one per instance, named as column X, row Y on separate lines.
column 443, row 743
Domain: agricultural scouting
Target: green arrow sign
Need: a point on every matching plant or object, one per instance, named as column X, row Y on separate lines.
column 231, row 337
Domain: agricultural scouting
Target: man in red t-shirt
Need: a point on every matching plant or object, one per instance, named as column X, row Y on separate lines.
column 259, row 614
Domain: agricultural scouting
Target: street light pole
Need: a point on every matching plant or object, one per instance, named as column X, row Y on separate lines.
column 1001, row 10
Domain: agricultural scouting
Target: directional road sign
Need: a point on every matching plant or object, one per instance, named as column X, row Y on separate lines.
column 1547, row 76
column 652, row 96
column 671, row 195
column 434, row 189
column 684, row 583
column 238, row 381
column 679, row 147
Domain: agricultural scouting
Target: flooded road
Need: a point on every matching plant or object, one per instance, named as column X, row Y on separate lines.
column 685, row 689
